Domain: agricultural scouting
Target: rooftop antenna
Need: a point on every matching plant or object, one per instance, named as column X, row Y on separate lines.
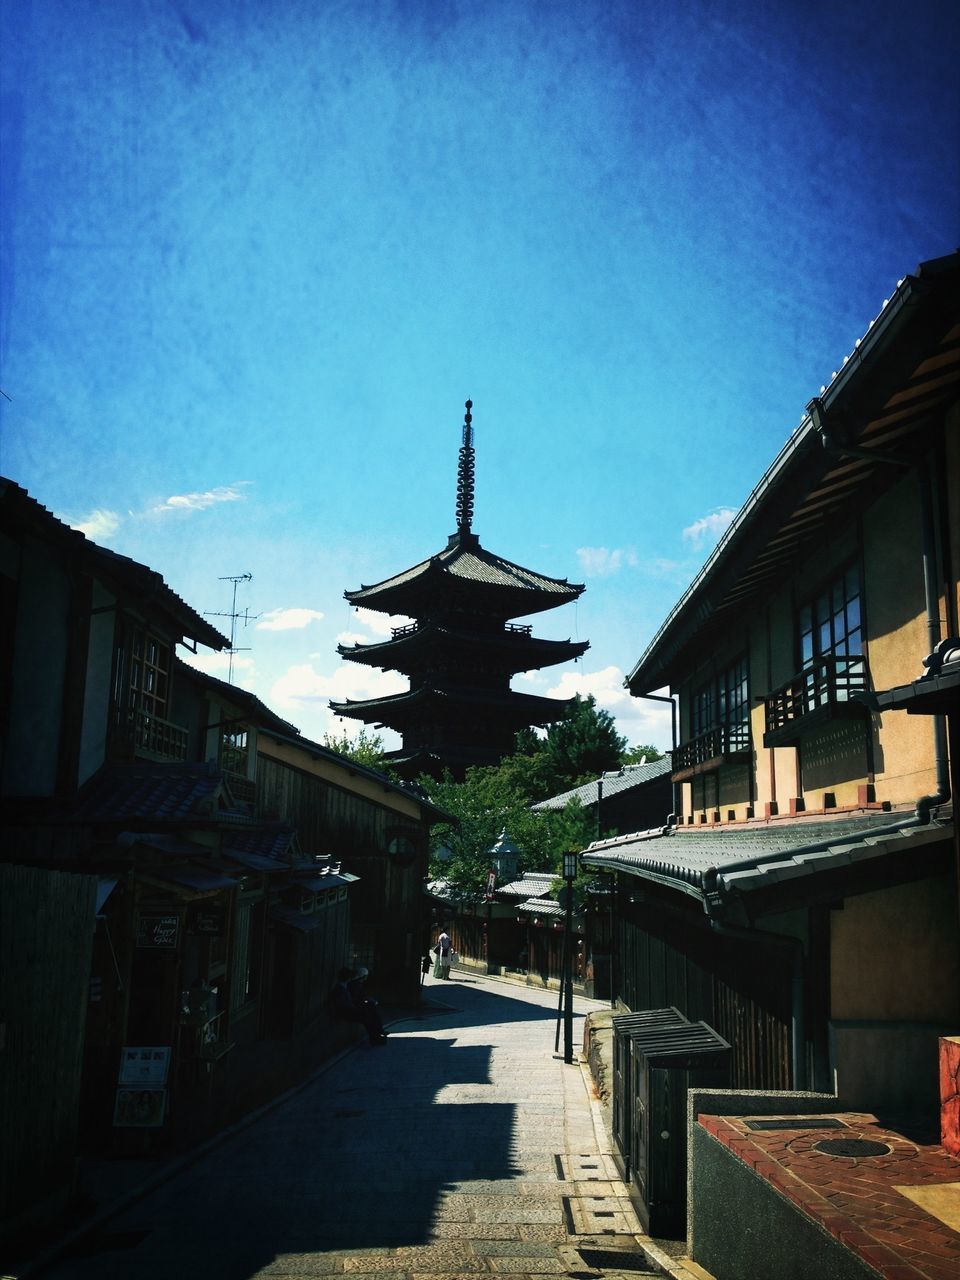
column 233, row 615
column 465, row 475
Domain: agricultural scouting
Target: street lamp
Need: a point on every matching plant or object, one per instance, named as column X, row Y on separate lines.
column 570, row 861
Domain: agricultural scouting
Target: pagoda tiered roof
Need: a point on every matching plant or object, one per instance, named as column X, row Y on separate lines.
column 465, row 575
column 511, row 649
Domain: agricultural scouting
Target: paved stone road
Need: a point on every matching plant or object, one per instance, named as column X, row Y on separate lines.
column 463, row 1146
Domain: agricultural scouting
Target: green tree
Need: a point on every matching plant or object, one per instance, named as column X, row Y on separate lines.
column 584, row 743
column 636, row 755
column 366, row 748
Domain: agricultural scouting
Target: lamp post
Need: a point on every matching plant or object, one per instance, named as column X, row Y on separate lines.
column 570, row 861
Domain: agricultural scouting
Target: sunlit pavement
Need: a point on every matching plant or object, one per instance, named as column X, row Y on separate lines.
column 464, row 1145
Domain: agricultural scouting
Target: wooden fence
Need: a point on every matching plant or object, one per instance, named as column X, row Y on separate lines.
column 46, row 935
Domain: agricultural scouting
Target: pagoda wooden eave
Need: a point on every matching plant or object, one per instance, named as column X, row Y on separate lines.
column 510, row 650
column 399, row 709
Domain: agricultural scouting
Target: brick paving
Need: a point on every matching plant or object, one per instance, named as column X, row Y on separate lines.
column 856, row 1199
column 464, row 1146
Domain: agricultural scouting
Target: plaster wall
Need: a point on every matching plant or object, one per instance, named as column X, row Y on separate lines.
column 894, row 954
column 96, row 690
column 36, row 697
column 897, row 639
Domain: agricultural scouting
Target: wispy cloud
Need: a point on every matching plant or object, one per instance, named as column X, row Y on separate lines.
column 302, row 684
column 186, row 502
column 98, row 524
column 601, row 562
column 708, row 528
column 216, row 664
column 288, row 619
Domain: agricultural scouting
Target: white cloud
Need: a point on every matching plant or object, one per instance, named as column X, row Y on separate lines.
column 708, row 528
column 217, row 664
column 381, row 624
column 98, row 524
column 288, row 619
column 302, row 684
column 185, row 502
column 352, row 637
column 600, row 562
column 636, row 720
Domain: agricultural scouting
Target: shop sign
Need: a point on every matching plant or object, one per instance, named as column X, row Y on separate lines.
column 144, row 1064
column 139, row 1108
column 158, row 931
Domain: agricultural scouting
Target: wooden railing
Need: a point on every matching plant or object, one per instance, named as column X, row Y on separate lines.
column 141, row 733
column 826, row 686
column 715, row 744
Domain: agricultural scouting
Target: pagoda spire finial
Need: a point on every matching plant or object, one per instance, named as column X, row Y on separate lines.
column 465, row 474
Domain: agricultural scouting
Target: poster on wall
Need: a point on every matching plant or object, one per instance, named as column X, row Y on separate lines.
column 139, row 1108
column 144, row 1064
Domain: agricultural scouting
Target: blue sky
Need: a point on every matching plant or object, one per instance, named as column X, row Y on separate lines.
column 256, row 255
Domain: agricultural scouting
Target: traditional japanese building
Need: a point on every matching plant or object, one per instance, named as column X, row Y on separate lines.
column 461, row 650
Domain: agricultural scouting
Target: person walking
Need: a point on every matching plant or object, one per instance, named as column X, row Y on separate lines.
column 444, row 953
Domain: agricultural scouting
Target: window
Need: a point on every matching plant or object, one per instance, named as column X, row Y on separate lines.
column 149, row 674
column 723, row 704
column 233, row 750
column 831, row 624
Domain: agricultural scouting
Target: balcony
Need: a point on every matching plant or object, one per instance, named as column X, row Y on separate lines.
column 722, row 745
column 142, row 735
column 823, row 691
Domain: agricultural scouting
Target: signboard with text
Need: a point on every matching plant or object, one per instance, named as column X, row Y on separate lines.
column 158, row 931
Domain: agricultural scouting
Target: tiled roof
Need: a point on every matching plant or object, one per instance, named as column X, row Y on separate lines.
column 540, row 907
column 747, row 858
column 21, row 510
column 147, row 792
column 276, row 841
column 625, row 779
column 532, row 884
column 467, row 561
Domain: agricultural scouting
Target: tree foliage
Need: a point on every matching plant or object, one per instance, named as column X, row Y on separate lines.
column 496, row 798
column 366, row 748
column 637, row 755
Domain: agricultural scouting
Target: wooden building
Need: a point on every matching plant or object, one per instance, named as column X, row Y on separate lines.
column 805, row 903
column 461, row 650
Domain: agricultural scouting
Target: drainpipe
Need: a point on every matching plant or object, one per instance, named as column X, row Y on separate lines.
column 659, row 697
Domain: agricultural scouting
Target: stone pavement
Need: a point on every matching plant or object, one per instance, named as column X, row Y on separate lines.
column 464, row 1146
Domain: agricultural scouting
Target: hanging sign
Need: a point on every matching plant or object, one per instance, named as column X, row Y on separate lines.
column 491, row 884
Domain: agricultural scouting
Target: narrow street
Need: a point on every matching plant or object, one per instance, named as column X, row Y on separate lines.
column 462, row 1146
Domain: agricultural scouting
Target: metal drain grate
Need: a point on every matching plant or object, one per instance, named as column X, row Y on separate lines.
column 852, row 1148
column 615, row 1260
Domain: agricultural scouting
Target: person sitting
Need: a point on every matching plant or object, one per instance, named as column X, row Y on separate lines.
column 345, row 1006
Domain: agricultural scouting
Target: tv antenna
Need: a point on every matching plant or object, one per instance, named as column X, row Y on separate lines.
column 233, row 614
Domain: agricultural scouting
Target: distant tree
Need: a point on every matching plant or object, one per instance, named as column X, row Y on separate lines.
column 365, row 748
column 637, row 755
column 584, row 743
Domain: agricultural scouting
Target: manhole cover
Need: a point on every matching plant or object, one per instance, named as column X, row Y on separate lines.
column 614, row 1260
column 852, row 1148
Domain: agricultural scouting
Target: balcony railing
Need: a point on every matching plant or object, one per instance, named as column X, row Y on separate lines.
column 716, row 746
column 407, row 630
column 141, row 733
column 519, row 628
column 822, row 691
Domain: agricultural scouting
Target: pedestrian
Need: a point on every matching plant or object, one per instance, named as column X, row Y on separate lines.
column 345, row 1006
column 444, row 951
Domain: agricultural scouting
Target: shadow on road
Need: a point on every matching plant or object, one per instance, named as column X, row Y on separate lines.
column 360, row 1158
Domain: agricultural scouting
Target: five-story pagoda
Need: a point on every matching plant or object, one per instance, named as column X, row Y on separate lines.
column 462, row 649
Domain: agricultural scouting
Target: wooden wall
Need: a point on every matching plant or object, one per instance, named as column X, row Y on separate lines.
column 46, row 935
column 740, row 989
